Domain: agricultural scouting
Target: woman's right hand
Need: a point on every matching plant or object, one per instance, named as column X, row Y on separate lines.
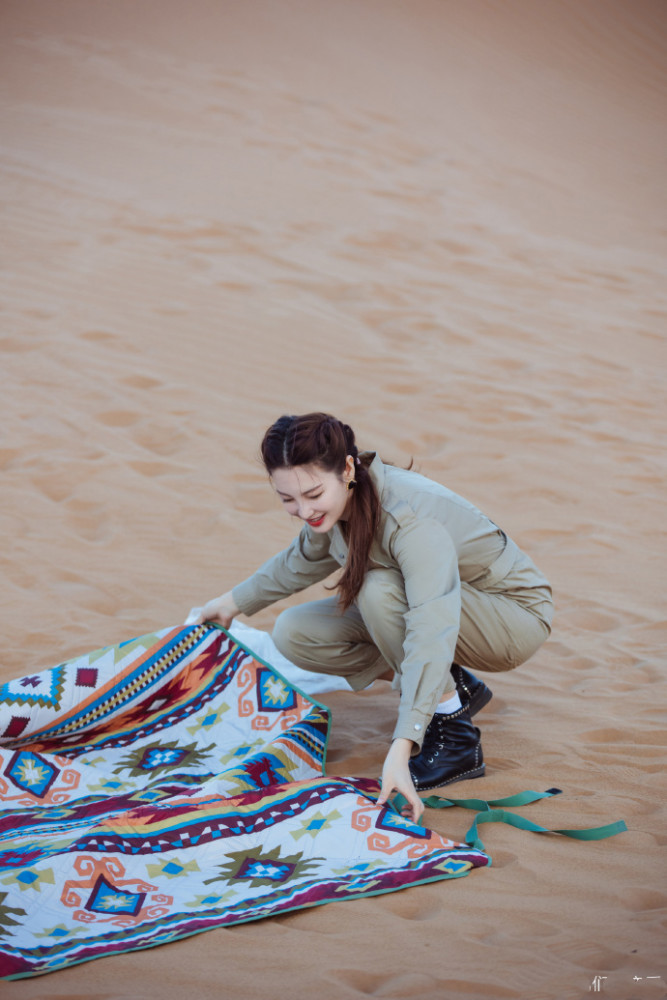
column 396, row 778
column 220, row 611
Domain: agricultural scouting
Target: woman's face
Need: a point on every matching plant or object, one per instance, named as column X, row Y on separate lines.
column 316, row 496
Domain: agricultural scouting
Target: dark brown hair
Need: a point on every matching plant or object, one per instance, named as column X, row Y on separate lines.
column 320, row 439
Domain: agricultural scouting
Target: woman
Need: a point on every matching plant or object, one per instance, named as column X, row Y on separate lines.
column 429, row 583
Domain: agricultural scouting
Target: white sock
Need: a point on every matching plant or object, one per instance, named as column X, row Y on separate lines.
column 451, row 704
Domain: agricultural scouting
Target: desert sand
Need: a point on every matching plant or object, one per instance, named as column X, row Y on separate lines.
column 445, row 223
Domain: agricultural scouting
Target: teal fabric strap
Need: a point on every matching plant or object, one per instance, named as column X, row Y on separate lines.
column 398, row 802
column 500, row 816
column 482, row 805
column 487, row 813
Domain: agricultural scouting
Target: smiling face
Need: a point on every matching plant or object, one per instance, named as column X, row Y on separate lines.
column 313, row 494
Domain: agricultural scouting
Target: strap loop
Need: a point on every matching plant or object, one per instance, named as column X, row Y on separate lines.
column 488, row 812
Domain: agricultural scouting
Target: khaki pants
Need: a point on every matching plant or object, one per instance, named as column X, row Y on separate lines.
column 498, row 631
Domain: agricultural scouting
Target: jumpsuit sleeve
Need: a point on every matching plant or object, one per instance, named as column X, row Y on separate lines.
column 427, row 559
column 306, row 561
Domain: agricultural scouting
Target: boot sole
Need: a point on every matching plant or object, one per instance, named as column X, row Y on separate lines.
column 476, row 772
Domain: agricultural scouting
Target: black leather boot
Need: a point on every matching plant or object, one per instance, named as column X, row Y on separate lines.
column 474, row 694
column 452, row 751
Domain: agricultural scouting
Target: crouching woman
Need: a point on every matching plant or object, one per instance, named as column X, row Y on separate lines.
column 430, row 590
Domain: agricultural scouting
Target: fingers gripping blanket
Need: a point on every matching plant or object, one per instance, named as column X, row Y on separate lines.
column 173, row 784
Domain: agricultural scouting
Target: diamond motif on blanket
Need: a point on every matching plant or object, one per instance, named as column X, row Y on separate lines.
column 273, row 694
column 388, row 820
column 262, row 871
column 106, row 898
column 31, row 773
column 44, row 689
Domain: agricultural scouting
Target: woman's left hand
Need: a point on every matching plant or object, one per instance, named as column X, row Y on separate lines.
column 396, row 778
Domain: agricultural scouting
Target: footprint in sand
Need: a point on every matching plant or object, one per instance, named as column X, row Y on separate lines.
column 502, row 764
column 88, row 520
column 119, row 418
column 410, row 984
column 56, row 485
column 154, row 469
column 161, row 439
column 253, row 498
column 505, row 859
column 426, row 445
column 7, row 457
column 18, row 575
column 418, row 907
column 591, row 619
column 410, row 388
column 139, row 381
column 99, row 336
column 639, row 899
column 14, row 345
column 617, row 740
column 107, row 339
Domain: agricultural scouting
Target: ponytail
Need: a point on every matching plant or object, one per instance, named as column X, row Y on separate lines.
column 362, row 524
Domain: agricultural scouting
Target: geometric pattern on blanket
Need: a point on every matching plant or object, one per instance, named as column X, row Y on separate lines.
column 173, row 784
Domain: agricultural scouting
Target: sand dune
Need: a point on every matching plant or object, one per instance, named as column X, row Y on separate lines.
column 446, row 223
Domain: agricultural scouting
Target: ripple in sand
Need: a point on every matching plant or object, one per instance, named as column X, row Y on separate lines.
column 620, row 739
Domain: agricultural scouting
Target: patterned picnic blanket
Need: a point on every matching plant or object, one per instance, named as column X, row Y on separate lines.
column 172, row 784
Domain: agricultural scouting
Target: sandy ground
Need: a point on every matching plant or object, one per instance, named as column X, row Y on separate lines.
column 444, row 222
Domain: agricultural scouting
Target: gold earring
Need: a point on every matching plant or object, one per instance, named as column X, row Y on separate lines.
column 351, row 483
